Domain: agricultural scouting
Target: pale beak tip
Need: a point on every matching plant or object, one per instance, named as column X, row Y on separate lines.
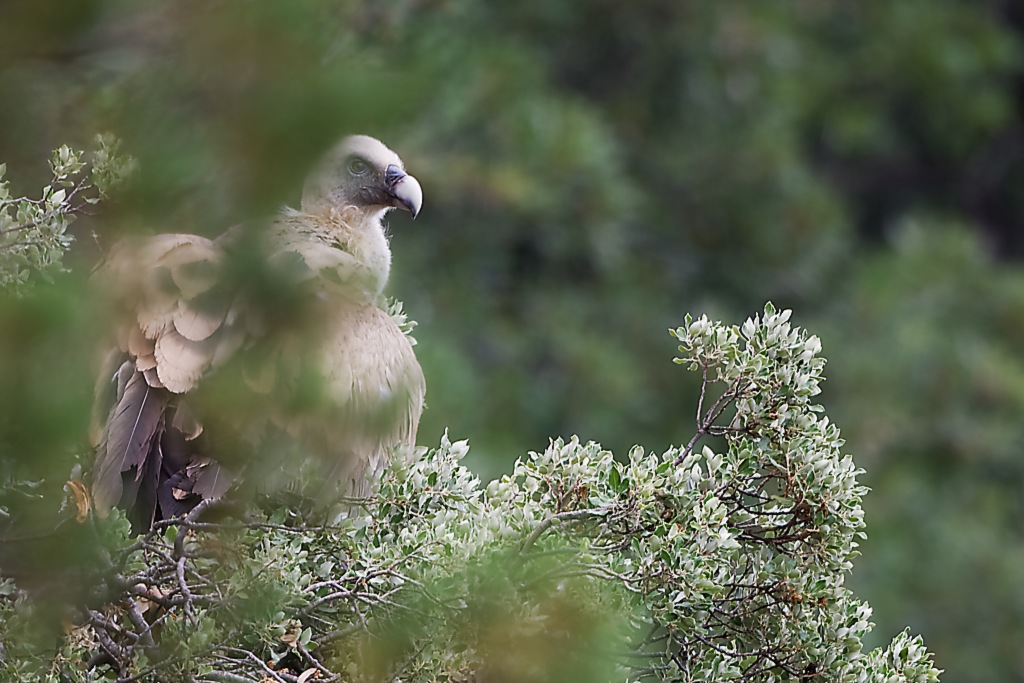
column 409, row 195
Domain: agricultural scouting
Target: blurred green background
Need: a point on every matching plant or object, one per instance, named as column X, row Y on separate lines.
column 592, row 172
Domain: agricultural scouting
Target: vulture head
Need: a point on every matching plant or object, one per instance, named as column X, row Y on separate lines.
column 361, row 173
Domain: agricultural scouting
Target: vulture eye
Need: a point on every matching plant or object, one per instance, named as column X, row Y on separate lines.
column 357, row 166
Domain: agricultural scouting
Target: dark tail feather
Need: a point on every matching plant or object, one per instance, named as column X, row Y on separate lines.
column 129, row 459
column 148, row 462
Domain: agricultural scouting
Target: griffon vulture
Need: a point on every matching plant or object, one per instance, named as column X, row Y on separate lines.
column 186, row 322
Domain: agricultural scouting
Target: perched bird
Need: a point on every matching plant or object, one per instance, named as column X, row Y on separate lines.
column 321, row 367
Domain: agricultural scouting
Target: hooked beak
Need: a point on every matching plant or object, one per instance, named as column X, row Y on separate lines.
column 404, row 190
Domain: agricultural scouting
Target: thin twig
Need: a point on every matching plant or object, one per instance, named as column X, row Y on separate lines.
column 558, row 518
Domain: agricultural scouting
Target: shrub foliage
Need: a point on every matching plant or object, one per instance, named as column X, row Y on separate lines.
column 723, row 559
column 34, row 232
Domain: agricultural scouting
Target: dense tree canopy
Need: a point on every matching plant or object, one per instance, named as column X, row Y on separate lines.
column 591, row 174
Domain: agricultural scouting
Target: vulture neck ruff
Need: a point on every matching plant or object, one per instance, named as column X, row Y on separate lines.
column 356, row 232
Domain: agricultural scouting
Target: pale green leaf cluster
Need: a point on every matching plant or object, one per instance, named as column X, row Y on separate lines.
column 34, row 232
column 396, row 310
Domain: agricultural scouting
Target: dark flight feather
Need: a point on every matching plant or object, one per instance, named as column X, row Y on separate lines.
column 135, row 419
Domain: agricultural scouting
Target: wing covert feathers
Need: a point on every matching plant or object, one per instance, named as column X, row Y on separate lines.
column 175, row 322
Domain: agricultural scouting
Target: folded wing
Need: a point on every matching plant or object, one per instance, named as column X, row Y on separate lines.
column 174, row 322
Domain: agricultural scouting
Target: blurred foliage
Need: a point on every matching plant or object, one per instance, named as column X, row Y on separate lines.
column 590, row 173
